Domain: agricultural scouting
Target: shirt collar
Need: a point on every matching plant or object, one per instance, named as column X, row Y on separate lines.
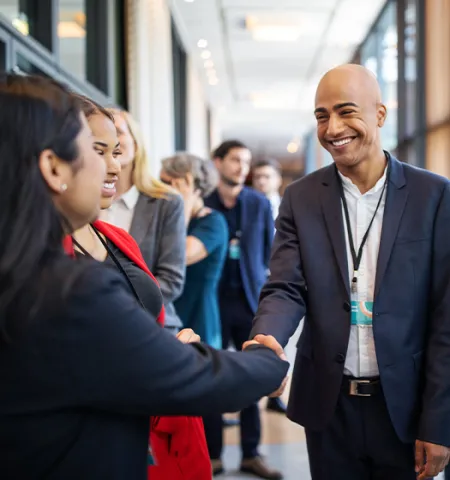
column 349, row 185
column 130, row 198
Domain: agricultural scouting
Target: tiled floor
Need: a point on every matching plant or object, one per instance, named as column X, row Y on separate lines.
column 283, row 442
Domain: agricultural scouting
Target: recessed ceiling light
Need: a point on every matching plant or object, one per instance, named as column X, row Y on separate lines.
column 202, row 43
column 206, row 54
column 292, row 147
column 189, row 1
column 213, row 81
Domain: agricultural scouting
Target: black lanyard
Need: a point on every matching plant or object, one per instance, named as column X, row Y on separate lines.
column 114, row 259
column 357, row 256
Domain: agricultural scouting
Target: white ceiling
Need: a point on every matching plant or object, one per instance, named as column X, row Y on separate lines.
column 265, row 90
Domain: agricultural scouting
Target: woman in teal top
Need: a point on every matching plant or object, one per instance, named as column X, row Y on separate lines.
column 206, row 245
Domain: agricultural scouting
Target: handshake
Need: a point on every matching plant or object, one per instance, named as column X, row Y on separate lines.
column 187, row 335
column 270, row 342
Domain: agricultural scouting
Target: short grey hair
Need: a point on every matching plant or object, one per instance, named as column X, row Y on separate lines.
column 203, row 171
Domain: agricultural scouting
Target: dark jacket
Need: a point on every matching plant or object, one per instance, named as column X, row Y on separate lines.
column 256, row 225
column 81, row 379
column 411, row 312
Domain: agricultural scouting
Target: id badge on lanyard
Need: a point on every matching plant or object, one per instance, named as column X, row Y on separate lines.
column 361, row 314
column 234, row 247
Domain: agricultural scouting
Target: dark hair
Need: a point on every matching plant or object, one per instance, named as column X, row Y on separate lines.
column 224, row 148
column 268, row 162
column 90, row 107
column 36, row 114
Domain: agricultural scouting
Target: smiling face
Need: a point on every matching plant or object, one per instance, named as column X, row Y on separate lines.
column 349, row 115
column 106, row 144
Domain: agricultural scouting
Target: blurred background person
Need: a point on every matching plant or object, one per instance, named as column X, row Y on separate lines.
column 152, row 213
column 206, row 244
column 250, row 227
column 266, row 178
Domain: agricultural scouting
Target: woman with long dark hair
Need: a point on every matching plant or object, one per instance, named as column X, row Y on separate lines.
column 82, row 365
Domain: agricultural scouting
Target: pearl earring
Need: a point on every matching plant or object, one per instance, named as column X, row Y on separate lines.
column 63, row 187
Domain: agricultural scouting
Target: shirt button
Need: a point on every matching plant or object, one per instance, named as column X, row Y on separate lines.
column 347, row 307
column 340, row 358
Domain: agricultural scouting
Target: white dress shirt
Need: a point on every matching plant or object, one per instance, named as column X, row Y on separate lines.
column 120, row 213
column 361, row 360
column 275, row 201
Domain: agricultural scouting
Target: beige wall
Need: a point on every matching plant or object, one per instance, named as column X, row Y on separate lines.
column 437, row 63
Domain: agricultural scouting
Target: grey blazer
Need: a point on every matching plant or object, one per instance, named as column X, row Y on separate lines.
column 158, row 227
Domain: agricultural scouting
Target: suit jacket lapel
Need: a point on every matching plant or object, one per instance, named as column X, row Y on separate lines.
column 396, row 196
column 139, row 225
column 332, row 211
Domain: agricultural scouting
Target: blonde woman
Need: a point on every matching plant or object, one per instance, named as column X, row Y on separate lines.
column 153, row 213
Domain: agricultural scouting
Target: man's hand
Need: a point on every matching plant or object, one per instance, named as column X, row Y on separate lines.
column 270, row 342
column 187, row 335
column 267, row 341
column 431, row 459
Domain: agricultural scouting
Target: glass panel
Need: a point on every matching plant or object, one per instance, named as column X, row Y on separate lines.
column 23, row 65
column 410, row 67
column 12, row 11
column 369, row 57
column 72, row 36
column 389, row 73
column 30, row 18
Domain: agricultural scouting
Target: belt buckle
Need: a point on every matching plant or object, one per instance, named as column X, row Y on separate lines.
column 354, row 388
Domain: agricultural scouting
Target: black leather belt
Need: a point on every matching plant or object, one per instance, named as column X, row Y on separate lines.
column 361, row 387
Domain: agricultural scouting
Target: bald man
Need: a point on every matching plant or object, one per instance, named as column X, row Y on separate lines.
column 362, row 252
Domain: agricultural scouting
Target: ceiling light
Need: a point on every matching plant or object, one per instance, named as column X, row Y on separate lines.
column 213, row 81
column 202, row 43
column 275, row 33
column 292, row 147
column 189, row 1
column 266, row 30
column 206, row 54
column 208, row 64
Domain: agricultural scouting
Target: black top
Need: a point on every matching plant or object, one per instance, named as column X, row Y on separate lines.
column 231, row 274
column 145, row 286
column 79, row 384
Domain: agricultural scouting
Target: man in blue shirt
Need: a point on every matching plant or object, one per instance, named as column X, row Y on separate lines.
column 250, row 223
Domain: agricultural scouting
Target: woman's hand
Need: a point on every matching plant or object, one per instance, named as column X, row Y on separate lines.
column 187, row 335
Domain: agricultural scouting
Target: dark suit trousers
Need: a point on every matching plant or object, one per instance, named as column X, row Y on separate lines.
column 360, row 443
column 236, row 317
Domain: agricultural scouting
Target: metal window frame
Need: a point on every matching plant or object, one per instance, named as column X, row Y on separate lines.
column 36, row 54
column 179, row 68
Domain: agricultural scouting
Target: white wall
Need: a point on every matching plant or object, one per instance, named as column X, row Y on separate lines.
column 150, row 82
column 197, row 124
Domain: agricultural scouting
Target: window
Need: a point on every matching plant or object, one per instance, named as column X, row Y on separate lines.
column 179, row 89
column 72, row 36
column 31, row 18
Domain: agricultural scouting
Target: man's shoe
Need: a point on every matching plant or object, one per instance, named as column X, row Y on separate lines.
column 276, row 405
column 256, row 466
column 217, row 467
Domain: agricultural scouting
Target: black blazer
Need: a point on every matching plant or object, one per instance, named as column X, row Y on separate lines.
column 411, row 323
column 79, row 384
column 256, row 240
